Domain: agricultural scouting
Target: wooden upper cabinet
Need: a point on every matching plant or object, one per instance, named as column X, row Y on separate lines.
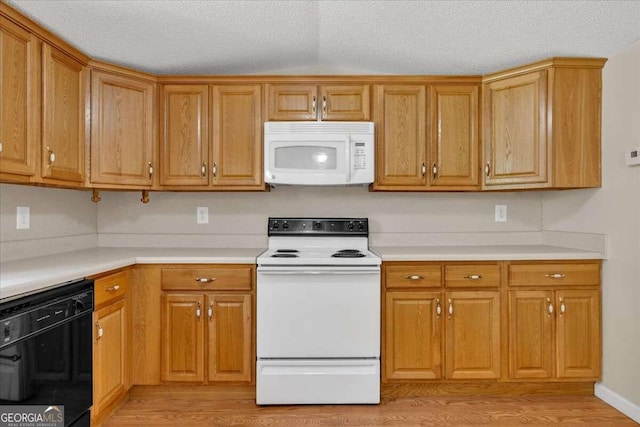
column 454, row 143
column 122, row 130
column 236, row 149
column 19, row 101
column 400, row 117
column 184, row 146
column 542, row 125
column 63, row 116
column 473, row 334
column 515, row 126
column 289, row 102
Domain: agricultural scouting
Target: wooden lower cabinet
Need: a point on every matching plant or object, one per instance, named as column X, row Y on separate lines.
column 109, row 357
column 472, row 335
column 413, row 335
column 111, row 342
column 219, row 323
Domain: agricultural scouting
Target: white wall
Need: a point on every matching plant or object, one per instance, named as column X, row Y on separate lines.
column 614, row 210
column 240, row 219
column 61, row 220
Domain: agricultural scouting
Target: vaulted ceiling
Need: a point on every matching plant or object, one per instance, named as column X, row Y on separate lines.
column 326, row 36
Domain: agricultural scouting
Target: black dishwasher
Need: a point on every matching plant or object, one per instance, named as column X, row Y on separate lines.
column 46, row 350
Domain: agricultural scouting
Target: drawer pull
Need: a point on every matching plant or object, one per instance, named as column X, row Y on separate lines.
column 550, row 306
column 113, row 288
column 438, row 308
column 210, row 311
column 205, row 279
column 450, row 308
column 554, row 275
column 473, row 277
column 198, row 311
column 414, row 277
column 562, row 307
column 99, row 330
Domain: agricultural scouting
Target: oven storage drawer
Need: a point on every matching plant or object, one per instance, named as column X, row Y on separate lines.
column 208, row 278
column 320, row 381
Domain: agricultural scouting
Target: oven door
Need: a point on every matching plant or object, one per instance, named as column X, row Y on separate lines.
column 307, row 159
column 318, row 312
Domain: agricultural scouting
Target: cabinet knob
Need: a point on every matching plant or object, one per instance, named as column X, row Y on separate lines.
column 99, row 331
column 113, row 288
column 313, row 105
column 563, row 308
column 150, row 170
column 205, row 279
column 450, row 308
column 203, row 169
column 324, row 104
column 214, row 169
column 198, row 311
column 210, row 311
column 487, row 169
column 424, row 169
column 473, row 277
column 434, row 171
column 438, row 308
column 554, row 275
column 549, row 306
column 414, row 277
column 51, row 158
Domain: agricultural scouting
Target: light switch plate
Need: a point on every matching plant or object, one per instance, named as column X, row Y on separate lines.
column 23, row 218
column 632, row 157
column 202, row 215
column 501, row 213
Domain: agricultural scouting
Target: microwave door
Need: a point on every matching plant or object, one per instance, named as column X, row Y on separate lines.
column 308, row 159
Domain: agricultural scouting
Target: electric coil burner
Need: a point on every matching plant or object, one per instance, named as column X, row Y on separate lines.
column 318, row 313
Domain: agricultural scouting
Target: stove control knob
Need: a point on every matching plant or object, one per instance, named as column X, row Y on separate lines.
column 350, row 225
column 285, row 225
column 276, row 225
column 361, row 226
column 317, row 225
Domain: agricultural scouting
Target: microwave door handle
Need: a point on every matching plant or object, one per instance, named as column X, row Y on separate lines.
column 348, row 154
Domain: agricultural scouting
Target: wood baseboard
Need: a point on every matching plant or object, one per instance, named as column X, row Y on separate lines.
column 396, row 390
column 98, row 419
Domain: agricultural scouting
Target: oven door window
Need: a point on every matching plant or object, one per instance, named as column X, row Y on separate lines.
column 52, row 367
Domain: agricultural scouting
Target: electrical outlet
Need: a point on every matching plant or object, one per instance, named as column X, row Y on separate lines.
column 23, row 218
column 501, row 213
column 632, row 157
column 202, row 215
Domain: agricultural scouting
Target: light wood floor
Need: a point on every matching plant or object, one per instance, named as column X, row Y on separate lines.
column 209, row 406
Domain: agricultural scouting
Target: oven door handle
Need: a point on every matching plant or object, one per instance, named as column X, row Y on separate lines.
column 319, row 271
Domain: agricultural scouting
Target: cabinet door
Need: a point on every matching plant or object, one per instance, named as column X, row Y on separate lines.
column 516, row 130
column 230, row 338
column 531, row 318
column 110, row 355
column 472, row 335
column 237, row 136
column 121, row 130
column 182, row 337
column 342, row 102
column 184, row 152
column 578, row 339
column 63, row 121
column 18, row 100
column 413, row 335
column 454, row 137
column 400, row 117
column 292, row 102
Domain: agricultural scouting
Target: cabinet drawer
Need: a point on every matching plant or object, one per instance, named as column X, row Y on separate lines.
column 413, row 276
column 472, row 276
column 110, row 288
column 208, row 278
column 552, row 274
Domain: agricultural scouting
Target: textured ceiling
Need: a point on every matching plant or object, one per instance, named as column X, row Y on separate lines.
column 397, row 37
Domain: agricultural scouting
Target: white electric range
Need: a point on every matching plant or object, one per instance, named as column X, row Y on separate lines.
column 318, row 313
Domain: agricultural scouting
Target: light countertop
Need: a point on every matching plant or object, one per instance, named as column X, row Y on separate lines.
column 481, row 253
column 31, row 274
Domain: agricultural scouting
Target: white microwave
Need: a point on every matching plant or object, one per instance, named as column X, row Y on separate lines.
column 318, row 153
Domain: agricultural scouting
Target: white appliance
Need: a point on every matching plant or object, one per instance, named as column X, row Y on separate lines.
column 318, row 314
column 318, row 153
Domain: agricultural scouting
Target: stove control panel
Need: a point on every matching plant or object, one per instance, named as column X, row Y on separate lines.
column 318, row 226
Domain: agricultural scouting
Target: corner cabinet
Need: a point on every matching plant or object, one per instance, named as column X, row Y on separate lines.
column 19, row 102
column 207, row 323
column 122, row 131
column 64, row 85
column 542, row 125
column 211, row 137
column 427, row 137
column 291, row 102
